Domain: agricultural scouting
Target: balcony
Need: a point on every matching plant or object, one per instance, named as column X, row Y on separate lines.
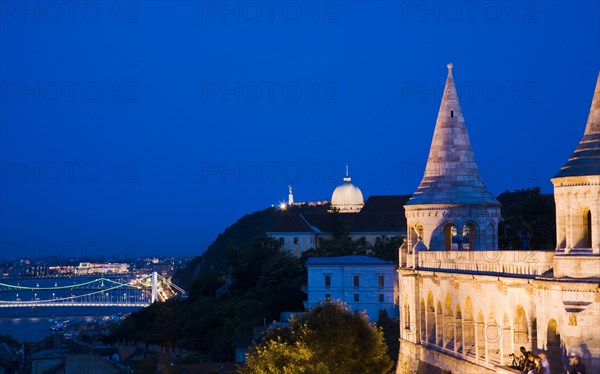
column 520, row 263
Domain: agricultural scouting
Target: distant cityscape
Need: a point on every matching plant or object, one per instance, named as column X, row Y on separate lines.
column 59, row 267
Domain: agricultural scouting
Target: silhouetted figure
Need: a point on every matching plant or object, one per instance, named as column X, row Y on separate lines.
column 545, row 363
column 575, row 365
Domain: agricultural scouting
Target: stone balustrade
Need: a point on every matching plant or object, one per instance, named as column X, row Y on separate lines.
column 526, row 263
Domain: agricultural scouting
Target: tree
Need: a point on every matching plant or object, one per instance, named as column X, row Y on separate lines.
column 328, row 339
column 391, row 332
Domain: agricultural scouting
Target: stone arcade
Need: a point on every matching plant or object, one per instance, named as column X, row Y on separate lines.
column 465, row 305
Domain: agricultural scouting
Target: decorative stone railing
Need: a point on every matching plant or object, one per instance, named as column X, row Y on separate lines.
column 526, row 263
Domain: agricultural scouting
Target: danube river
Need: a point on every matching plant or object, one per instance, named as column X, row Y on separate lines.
column 32, row 324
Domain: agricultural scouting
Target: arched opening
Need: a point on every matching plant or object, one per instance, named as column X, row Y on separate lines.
column 493, row 334
column 415, row 234
column 588, row 236
column 468, row 237
column 452, row 238
column 469, row 329
column 521, row 329
column 458, row 341
column 406, row 313
column 431, row 328
column 480, row 338
column 582, row 229
column 439, row 325
column 448, row 324
column 534, row 338
column 422, row 318
column 553, row 345
column 419, row 230
column 507, row 346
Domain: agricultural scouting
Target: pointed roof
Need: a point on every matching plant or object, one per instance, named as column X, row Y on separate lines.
column 451, row 175
column 586, row 158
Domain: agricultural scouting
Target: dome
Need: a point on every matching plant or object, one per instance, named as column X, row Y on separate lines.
column 347, row 198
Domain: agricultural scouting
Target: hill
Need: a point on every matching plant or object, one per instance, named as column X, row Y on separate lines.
column 245, row 229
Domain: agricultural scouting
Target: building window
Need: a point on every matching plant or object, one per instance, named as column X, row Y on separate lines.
column 320, row 240
column 380, row 281
column 327, row 280
column 327, row 296
column 281, row 241
column 381, row 298
column 356, row 279
column 356, row 298
column 295, row 240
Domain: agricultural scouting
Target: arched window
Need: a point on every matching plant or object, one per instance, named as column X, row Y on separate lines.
column 582, row 229
column 452, row 239
column 423, row 318
column 414, row 234
column 468, row 237
column 406, row 313
column 589, row 229
column 431, row 328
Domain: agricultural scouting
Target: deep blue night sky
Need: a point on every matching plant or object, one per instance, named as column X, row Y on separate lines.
column 148, row 127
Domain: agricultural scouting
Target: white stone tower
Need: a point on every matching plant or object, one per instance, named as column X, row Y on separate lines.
column 452, row 208
column 577, row 196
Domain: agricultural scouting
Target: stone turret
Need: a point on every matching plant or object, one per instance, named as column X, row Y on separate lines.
column 452, row 208
column 577, row 197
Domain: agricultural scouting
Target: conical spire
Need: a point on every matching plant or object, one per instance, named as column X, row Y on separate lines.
column 586, row 158
column 451, row 175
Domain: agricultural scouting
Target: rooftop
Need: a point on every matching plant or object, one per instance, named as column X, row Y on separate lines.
column 451, row 175
column 347, row 260
column 586, row 157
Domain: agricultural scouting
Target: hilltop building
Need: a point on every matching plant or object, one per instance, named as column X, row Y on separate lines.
column 379, row 216
column 364, row 283
column 467, row 306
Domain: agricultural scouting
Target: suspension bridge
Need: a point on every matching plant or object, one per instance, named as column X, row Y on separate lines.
column 138, row 292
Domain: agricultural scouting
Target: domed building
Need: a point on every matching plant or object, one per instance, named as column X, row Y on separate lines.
column 347, row 198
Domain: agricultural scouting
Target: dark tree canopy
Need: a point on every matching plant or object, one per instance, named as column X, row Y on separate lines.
column 528, row 223
column 328, row 339
column 261, row 283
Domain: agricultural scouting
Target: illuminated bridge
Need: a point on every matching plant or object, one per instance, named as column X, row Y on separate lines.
column 138, row 292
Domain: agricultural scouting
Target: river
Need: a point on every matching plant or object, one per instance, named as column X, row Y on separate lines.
column 33, row 324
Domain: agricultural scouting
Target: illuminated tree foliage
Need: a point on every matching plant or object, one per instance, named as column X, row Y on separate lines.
column 328, row 339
